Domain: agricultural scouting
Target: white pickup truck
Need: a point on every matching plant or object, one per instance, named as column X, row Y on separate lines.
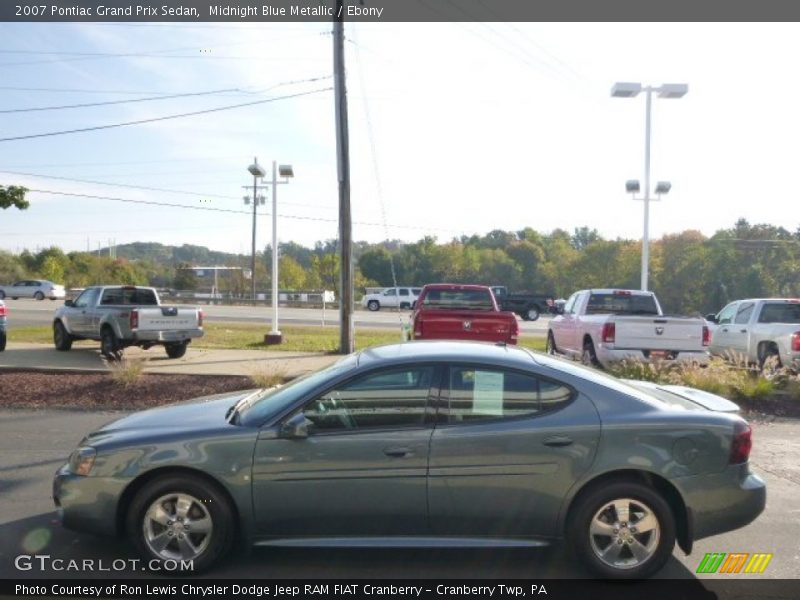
column 602, row 326
column 757, row 329
column 121, row 316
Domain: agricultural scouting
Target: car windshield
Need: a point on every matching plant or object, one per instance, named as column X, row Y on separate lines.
column 621, row 304
column 269, row 403
column 470, row 299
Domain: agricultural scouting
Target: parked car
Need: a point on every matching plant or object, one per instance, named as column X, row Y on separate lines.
column 393, row 297
column 428, row 443
column 764, row 331
column 33, row 288
column 121, row 316
column 3, row 315
column 687, row 398
column 527, row 305
column 604, row 325
column 447, row 311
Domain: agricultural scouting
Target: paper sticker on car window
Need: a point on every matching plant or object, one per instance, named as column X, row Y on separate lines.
column 487, row 397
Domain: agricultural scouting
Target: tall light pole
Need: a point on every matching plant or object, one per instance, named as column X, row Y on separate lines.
column 631, row 90
column 285, row 171
column 258, row 172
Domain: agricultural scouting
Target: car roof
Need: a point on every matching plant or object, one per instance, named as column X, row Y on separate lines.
column 446, row 351
column 455, row 286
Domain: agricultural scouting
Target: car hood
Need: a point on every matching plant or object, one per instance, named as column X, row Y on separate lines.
column 198, row 415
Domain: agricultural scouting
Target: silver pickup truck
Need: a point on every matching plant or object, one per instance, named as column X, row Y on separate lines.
column 757, row 329
column 121, row 316
column 603, row 326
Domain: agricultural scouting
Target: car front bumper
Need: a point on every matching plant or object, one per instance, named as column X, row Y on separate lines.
column 723, row 501
column 87, row 503
column 607, row 355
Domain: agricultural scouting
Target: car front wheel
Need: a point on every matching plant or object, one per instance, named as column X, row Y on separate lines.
column 61, row 339
column 181, row 518
column 373, row 305
column 39, row 296
column 623, row 531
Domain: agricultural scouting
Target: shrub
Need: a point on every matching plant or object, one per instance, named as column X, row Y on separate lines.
column 269, row 376
column 128, row 371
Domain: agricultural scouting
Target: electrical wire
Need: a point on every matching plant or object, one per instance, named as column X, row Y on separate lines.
column 164, row 118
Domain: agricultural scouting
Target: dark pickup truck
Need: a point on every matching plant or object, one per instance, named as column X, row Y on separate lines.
column 528, row 306
column 447, row 311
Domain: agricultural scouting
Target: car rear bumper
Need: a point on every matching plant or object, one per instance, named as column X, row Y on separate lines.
column 608, row 355
column 724, row 501
column 167, row 336
column 86, row 503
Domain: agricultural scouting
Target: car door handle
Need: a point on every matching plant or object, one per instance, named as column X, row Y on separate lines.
column 743, row 331
column 558, row 441
column 397, row 451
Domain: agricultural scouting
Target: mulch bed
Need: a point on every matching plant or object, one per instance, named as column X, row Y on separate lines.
column 93, row 391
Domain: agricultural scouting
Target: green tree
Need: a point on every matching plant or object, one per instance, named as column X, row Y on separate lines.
column 52, row 270
column 185, row 278
column 291, row 274
column 13, row 195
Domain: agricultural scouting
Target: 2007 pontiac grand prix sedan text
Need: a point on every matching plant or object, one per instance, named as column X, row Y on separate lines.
column 423, row 443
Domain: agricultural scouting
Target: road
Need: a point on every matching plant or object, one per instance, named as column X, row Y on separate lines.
column 33, row 444
column 31, row 313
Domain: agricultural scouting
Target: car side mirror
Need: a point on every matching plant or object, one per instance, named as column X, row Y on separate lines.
column 69, row 303
column 295, row 428
column 711, row 317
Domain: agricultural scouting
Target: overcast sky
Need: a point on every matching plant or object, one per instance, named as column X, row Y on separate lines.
column 455, row 128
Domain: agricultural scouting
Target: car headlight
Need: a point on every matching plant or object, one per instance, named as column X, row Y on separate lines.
column 81, row 460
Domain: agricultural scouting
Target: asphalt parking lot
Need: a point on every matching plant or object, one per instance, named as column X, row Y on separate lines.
column 33, row 444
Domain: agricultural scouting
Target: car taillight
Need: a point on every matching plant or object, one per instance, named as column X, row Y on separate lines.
column 742, row 443
column 706, row 336
column 514, row 331
column 609, row 333
column 200, row 316
column 3, row 310
column 134, row 319
column 796, row 341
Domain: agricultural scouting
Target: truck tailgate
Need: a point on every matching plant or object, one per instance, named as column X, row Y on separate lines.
column 659, row 333
column 167, row 318
column 466, row 325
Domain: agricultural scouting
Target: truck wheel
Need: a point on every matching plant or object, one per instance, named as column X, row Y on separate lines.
column 109, row 345
column 2, row 340
column 623, row 530
column 176, row 350
column 532, row 313
column 61, row 339
column 2, row 295
column 769, row 361
column 373, row 305
column 589, row 357
column 404, row 305
column 39, row 296
column 550, row 347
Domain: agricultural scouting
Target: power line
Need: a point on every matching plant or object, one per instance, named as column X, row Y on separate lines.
column 165, row 118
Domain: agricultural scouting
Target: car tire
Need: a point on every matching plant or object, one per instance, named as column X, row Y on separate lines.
column 181, row 505
column 550, row 345
column 610, row 543
column 15, row 297
column 532, row 313
column 176, row 350
column 2, row 340
column 2, row 295
column 374, row 305
column 38, row 296
column 769, row 362
column 414, row 305
column 61, row 338
column 109, row 345
column 589, row 356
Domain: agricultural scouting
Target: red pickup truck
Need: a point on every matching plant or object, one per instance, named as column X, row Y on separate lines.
column 447, row 311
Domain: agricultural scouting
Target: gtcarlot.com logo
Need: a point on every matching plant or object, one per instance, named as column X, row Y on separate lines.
column 735, row 562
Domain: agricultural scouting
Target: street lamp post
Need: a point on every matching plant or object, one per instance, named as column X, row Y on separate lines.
column 285, row 171
column 257, row 171
column 631, row 90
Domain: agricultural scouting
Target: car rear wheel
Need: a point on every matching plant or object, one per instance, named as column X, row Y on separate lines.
column 532, row 313
column 373, row 305
column 176, row 350
column 181, row 517
column 61, row 339
column 2, row 340
column 769, row 362
column 589, row 357
column 109, row 346
column 623, row 531
column 2, row 295
column 39, row 296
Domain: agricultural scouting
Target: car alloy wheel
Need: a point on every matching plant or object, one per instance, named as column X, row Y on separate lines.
column 177, row 526
column 624, row 534
column 39, row 296
column 532, row 314
column 373, row 305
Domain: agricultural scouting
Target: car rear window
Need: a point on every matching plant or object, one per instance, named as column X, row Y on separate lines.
column 783, row 312
column 139, row 297
column 470, row 299
column 621, row 304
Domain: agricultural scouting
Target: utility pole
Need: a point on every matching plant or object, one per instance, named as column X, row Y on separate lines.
column 346, row 336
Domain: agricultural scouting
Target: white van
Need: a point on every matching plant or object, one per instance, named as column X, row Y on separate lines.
column 402, row 297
